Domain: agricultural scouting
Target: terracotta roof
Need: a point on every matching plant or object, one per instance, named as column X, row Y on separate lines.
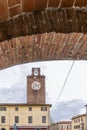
column 78, row 116
column 62, row 122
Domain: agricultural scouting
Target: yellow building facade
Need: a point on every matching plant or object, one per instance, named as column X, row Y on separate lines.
column 79, row 122
column 25, row 116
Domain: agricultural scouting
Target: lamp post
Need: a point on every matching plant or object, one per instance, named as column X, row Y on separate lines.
column 15, row 127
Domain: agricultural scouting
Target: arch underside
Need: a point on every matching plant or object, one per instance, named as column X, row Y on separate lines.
column 54, row 34
column 43, row 47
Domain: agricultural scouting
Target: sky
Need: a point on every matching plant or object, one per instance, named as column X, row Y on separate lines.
column 56, row 74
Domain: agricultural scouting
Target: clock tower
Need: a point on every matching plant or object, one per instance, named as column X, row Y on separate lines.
column 36, row 87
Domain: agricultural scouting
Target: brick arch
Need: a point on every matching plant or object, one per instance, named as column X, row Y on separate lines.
column 10, row 8
column 53, row 20
column 42, row 30
column 43, row 47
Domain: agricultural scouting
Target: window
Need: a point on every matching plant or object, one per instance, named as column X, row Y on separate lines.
column 43, row 108
column 37, row 129
column 81, row 119
column 61, row 127
column 76, row 126
column 30, row 108
column 2, row 119
column 30, row 119
column 43, row 119
column 65, row 126
column 2, row 128
column 16, row 108
column 78, row 120
column 2, row 108
column 16, row 119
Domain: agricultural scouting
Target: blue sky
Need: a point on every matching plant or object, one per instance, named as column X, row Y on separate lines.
column 55, row 72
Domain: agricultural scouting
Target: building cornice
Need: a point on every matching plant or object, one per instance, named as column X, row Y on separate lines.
column 23, row 104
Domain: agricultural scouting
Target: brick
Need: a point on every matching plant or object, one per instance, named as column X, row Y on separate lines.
column 40, row 22
column 14, row 11
column 79, row 20
column 27, row 24
column 36, row 18
column 63, row 22
column 56, row 21
column 3, row 10
column 42, row 48
column 79, row 46
column 67, row 3
column 13, row 2
column 46, row 46
column 69, row 20
column 47, row 24
column 33, row 23
column 53, row 3
column 40, row 5
column 84, row 23
column 74, row 21
column 51, row 20
column 81, row 3
column 28, row 5
column 60, row 20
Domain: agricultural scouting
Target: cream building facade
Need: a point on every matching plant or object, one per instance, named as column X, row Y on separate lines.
column 79, row 122
column 25, row 116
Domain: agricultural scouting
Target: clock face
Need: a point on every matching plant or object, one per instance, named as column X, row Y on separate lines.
column 36, row 85
column 35, row 72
